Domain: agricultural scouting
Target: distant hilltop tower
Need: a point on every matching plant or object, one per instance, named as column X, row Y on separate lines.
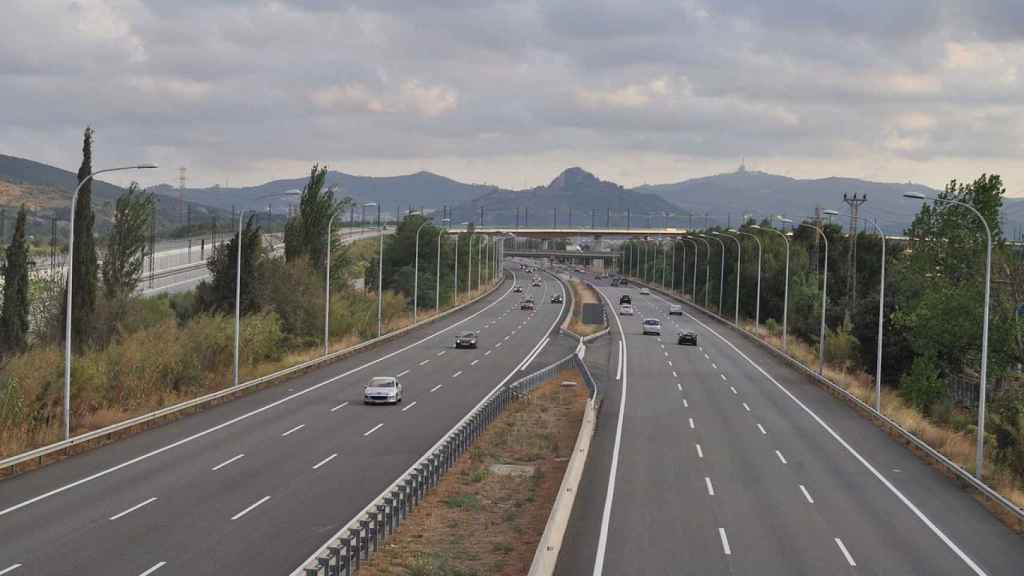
column 743, row 167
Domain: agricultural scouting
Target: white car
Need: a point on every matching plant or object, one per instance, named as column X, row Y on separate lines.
column 383, row 390
column 675, row 310
column 645, row 291
column 652, row 326
column 626, row 309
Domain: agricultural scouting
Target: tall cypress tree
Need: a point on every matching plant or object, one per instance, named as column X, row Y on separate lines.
column 14, row 314
column 86, row 268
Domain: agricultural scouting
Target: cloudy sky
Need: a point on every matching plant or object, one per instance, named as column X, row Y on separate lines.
column 510, row 93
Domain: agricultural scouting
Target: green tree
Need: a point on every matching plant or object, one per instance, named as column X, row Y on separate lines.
column 218, row 295
column 14, row 314
column 86, row 269
column 126, row 246
column 305, row 233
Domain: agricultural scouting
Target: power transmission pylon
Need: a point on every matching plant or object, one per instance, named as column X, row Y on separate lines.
column 854, row 202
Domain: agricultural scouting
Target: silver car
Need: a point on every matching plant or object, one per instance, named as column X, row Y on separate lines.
column 383, row 390
column 652, row 326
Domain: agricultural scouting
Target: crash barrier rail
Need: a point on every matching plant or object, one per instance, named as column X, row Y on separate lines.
column 964, row 476
column 38, row 453
column 364, row 535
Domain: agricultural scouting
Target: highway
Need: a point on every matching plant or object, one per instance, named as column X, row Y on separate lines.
column 256, row 485
column 722, row 459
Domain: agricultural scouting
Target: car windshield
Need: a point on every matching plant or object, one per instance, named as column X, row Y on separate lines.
column 382, row 382
column 468, row 335
column 652, row 322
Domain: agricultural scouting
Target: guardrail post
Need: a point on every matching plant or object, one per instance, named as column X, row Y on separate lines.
column 325, row 563
column 334, row 568
column 375, row 530
column 364, row 542
column 403, row 504
column 312, row 571
column 354, row 533
column 389, row 507
column 347, row 543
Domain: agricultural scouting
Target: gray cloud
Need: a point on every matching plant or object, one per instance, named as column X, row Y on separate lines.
column 507, row 92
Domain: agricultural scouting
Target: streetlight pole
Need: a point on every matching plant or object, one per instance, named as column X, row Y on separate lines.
column 785, row 289
column 416, row 273
column 824, row 293
column 437, row 275
column 71, row 265
column 327, row 288
column 721, row 273
column 980, row 450
column 707, row 269
column 673, row 287
column 739, row 262
column 757, row 308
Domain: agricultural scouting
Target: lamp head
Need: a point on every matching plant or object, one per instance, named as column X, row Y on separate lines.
column 830, row 213
column 147, row 166
column 914, row 195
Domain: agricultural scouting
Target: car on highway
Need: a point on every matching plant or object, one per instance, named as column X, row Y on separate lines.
column 466, row 340
column 623, row 282
column 645, row 291
column 383, row 390
column 625, row 299
column 626, row 309
column 675, row 310
column 652, row 326
column 536, row 283
column 687, row 338
column 527, row 304
column 557, row 299
column 518, row 289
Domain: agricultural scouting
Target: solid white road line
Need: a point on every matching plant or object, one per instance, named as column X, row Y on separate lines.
column 372, row 430
column 402, row 373
column 745, row 407
column 436, row 387
column 855, row 454
column 411, row 404
column 247, row 415
column 339, row 406
column 618, row 369
column 725, row 542
column 700, row 453
column 325, row 461
column 299, row 427
column 761, row 428
column 133, row 508
column 11, row 568
column 226, row 462
column 846, row 553
column 425, row 362
column 456, row 375
column 250, row 508
column 781, row 457
column 711, row 489
column 691, row 423
column 155, row 567
column 606, row 514
column 806, row 494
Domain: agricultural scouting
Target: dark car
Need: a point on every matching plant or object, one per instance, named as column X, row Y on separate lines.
column 527, row 304
column 556, row 299
column 625, row 299
column 615, row 282
column 687, row 338
column 466, row 340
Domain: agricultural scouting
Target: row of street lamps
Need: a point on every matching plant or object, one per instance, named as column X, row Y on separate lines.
column 636, row 255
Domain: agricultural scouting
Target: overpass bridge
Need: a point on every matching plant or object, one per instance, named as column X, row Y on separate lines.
column 548, row 233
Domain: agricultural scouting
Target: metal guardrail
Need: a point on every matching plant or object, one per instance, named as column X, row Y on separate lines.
column 39, row 453
column 345, row 552
column 937, row 456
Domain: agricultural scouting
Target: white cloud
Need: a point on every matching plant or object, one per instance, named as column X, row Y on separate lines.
column 429, row 101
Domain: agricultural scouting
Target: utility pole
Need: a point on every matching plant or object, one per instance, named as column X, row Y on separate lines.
column 188, row 231
column 608, row 218
column 481, row 216
column 854, row 202
column 817, row 238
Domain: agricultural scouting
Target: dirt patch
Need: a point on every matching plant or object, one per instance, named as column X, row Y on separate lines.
column 480, row 523
column 583, row 294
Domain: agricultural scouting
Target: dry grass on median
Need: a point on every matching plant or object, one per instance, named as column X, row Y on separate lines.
column 582, row 294
column 479, row 523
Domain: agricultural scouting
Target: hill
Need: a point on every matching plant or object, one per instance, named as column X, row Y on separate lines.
column 46, row 191
column 573, row 196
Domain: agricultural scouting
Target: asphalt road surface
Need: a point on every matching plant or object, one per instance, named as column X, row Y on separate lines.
column 722, row 459
column 256, row 485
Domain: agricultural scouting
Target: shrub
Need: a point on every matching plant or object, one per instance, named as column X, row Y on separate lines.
column 921, row 386
column 842, row 348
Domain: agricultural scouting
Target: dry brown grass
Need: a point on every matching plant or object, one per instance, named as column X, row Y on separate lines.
column 582, row 294
column 958, row 446
column 478, row 523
